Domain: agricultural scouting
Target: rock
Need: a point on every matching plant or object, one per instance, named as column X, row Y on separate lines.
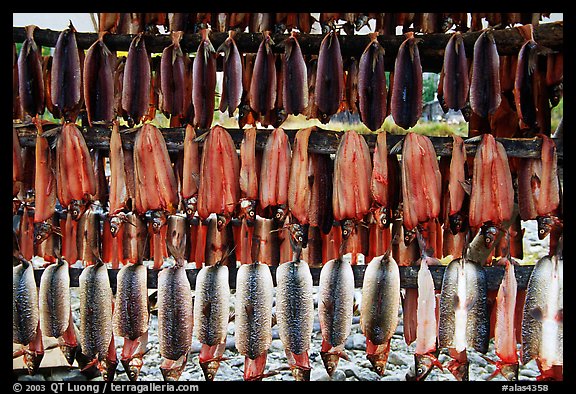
column 397, row 358
column 31, row 378
column 476, row 359
column 276, row 346
column 367, row 375
column 356, row 341
column 320, row 374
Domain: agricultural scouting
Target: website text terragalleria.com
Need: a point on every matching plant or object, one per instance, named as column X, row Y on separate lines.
column 106, row 387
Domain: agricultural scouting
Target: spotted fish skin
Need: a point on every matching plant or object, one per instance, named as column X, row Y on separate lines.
column 130, row 318
column 25, row 313
column 95, row 311
column 54, row 299
column 211, row 304
column 464, row 319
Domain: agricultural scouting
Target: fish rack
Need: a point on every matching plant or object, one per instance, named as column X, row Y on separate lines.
column 323, row 141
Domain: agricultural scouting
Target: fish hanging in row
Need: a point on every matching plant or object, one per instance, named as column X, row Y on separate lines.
column 30, row 77
column 231, row 77
column 204, row 83
column 98, row 84
column 176, row 80
column 372, row 95
column 329, row 88
column 136, row 80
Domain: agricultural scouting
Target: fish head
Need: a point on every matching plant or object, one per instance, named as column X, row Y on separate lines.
column 210, row 368
column 222, row 221
column 509, row 371
column 43, row 230
column 132, row 366
column 348, row 228
column 32, row 360
column 116, row 222
column 459, row 369
column 248, row 210
column 330, row 361
column 281, row 213
column 409, row 236
column 301, row 374
column 545, row 225
column 423, row 365
column 158, row 219
column 77, row 209
column 298, row 237
column 383, row 218
column 190, row 205
column 69, row 352
column 489, row 232
column 378, row 361
column 108, row 369
column 456, row 222
column 172, row 370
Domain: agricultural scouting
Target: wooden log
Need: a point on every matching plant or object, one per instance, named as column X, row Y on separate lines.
column 508, row 41
column 408, row 276
column 321, row 140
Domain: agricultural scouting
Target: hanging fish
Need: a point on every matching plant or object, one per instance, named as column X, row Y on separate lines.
column 30, row 78
column 262, row 89
column 485, row 81
column 543, row 319
column 17, row 164
column 492, row 198
column 464, row 321
column 457, row 217
column 156, row 187
column 99, row 82
column 118, row 180
column 295, row 315
column 134, row 237
column 380, row 183
column 379, row 309
column 372, row 85
column 351, row 198
column 175, row 317
column 421, row 181
column 130, row 317
column 275, row 173
column 176, row 78
column 44, row 180
column 66, row 82
column 75, row 178
column 25, row 314
column 329, row 82
column 265, row 242
column 351, row 85
column 204, row 82
column 54, row 299
column 136, row 80
column 190, row 172
column 295, row 77
column 232, row 75
column 219, row 188
column 456, row 84
column 406, row 101
column 249, row 174
column 253, row 317
column 335, row 308
column 96, row 318
column 211, row 310
column 300, row 184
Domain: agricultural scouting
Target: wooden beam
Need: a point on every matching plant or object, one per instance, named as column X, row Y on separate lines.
column 408, row 276
column 508, row 41
column 321, row 140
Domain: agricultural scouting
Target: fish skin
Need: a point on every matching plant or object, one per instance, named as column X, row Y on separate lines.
column 379, row 309
column 426, row 328
column 372, row 92
column 75, row 178
column 549, row 198
column 175, row 314
column 174, row 68
column 30, row 77
column 219, row 188
column 262, row 91
column 476, row 326
column 295, row 312
column 25, row 312
column 544, row 295
column 211, row 310
column 248, row 166
column 66, row 77
column 191, row 166
column 504, row 327
column 457, row 195
column 351, row 197
column 295, row 77
column 156, row 187
column 492, row 197
column 136, row 80
column 335, row 307
column 44, row 181
column 253, row 310
column 232, row 75
column 406, row 101
column 421, row 181
column 299, row 187
column 95, row 311
column 456, row 83
column 204, row 83
column 98, row 82
column 54, row 299
column 351, row 85
column 130, row 317
column 485, row 81
column 329, row 88
column 118, row 188
column 134, row 237
column 88, row 239
column 275, row 170
column 379, row 182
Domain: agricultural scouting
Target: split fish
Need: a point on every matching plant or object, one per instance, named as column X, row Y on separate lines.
column 190, row 172
column 176, row 80
column 455, row 68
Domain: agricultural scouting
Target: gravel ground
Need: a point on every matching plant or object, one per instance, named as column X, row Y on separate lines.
column 358, row 368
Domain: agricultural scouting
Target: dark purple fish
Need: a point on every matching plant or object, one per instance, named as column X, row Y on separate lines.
column 455, row 84
column 204, row 83
column 329, row 89
column 30, row 78
column 263, row 84
column 485, row 95
column 136, row 80
column 295, row 77
column 232, row 76
column 372, row 85
column 99, row 68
